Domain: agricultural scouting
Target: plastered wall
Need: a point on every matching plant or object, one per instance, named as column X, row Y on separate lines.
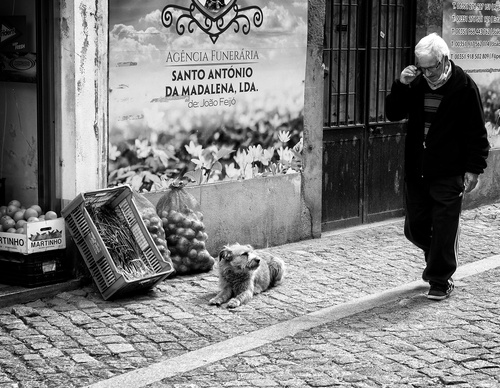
column 83, row 101
column 313, row 121
column 82, row 94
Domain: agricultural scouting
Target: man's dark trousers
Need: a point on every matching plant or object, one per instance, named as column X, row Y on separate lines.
column 432, row 221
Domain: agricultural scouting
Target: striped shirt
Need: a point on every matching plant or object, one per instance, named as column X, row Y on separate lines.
column 431, row 105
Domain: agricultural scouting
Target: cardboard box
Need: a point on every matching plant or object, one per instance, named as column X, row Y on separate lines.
column 39, row 237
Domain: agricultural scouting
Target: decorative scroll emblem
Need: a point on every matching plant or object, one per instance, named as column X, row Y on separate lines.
column 213, row 18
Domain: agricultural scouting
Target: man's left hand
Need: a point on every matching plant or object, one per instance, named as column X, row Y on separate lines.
column 470, row 181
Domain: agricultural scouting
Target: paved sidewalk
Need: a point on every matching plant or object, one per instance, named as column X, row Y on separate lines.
column 408, row 342
column 76, row 339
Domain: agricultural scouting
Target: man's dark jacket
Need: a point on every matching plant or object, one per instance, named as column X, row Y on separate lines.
column 457, row 141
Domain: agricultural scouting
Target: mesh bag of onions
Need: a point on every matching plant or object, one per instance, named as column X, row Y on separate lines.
column 153, row 223
column 184, row 230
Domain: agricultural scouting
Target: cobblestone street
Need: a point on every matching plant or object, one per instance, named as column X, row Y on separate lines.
column 352, row 312
column 410, row 343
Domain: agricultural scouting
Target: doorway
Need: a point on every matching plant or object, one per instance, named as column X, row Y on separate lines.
column 27, row 148
column 367, row 43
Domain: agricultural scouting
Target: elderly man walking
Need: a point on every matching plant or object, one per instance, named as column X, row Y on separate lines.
column 446, row 149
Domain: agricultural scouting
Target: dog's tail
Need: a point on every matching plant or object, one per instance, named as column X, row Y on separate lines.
column 276, row 271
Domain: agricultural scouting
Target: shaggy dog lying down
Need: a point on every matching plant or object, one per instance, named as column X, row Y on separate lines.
column 243, row 273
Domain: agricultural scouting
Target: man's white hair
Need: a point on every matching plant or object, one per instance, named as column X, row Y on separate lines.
column 434, row 45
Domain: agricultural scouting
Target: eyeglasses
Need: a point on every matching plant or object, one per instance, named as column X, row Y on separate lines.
column 430, row 68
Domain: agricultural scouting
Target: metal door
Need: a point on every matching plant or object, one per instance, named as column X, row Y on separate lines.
column 367, row 43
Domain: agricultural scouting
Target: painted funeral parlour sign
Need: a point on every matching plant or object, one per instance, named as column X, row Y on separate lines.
column 205, row 70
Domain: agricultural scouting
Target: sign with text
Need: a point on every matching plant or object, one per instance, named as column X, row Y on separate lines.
column 12, row 33
column 187, row 68
column 472, row 31
column 38, row 237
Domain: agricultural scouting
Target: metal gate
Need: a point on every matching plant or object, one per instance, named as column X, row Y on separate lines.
column 367, row 44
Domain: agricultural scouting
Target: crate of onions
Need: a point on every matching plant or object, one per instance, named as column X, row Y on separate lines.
column 114, row 242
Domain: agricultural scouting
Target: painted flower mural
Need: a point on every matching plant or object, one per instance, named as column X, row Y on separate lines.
column 170, row 90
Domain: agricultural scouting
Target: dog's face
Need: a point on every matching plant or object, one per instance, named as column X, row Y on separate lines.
column 241, row 258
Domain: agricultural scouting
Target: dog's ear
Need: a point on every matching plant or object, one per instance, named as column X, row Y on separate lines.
column 225, row 254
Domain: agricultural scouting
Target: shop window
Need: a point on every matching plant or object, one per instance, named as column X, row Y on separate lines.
column 26, row 134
